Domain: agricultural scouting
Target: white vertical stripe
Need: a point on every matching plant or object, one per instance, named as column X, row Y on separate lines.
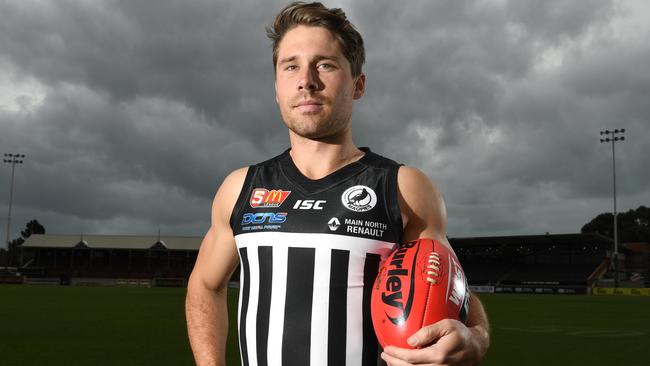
column 242, row 285
column 320, row 307
column 354, row 333
column 448, row 271
column 278, row 298
column 358, row 247
column 253, row 299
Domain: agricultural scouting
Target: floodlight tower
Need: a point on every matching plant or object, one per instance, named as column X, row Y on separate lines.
column 616, row 135
column 12, row 159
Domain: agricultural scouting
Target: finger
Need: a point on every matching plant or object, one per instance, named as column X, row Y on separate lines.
column 430, row 333
column 393, row 361
column 450, row 347
column 429, row 355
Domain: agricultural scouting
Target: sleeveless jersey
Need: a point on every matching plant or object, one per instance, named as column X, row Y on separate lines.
column 309, row 253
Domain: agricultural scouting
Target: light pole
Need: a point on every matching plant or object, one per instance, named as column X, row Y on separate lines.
column 12, row 159
column 616, row 135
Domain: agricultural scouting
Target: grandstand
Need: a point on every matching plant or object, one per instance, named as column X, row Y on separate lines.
column 566, row 263
column 68, row 257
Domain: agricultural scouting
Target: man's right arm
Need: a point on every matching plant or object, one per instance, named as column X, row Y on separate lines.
column 206, row 308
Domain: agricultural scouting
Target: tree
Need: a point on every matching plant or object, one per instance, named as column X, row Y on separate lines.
column 32, row 227
column 633, row 225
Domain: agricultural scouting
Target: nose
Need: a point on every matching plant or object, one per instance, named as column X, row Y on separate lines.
column 308, row 81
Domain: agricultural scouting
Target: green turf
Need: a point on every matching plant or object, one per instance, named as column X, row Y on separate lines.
column 568, row 330
column 52, row 325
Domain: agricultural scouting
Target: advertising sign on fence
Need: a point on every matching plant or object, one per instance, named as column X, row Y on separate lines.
column 620, row 291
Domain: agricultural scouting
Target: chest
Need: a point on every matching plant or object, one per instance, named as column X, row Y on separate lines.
column 357, row 206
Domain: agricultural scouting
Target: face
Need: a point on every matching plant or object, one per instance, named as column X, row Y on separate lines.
column 314, row 86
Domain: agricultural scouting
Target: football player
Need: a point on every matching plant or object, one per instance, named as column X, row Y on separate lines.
column 307, row 268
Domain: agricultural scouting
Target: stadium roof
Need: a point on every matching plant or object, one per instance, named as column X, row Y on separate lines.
column 193, row 243
column 113, row 242
column 528, row 240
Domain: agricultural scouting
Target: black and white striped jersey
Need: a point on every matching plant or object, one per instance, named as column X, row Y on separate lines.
column 309, row 253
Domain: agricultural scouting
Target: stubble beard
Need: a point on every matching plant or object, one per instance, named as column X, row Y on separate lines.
column 331, row 121
column 315, row 126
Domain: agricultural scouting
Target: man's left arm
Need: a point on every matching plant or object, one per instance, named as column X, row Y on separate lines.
column 447, row 342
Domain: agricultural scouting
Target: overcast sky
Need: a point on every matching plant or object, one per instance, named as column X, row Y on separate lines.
column 132, row 112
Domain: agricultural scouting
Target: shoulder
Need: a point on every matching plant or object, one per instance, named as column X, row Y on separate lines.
column 415, row 186
column 227, row 194
column 234, row 181
column 423, row 209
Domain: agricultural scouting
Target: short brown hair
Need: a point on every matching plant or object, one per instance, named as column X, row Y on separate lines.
column 317, row 15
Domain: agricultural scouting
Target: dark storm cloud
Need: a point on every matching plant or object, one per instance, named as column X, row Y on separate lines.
column 196, row 53
column 143, row 114
column 150, row 159
column 131, row 113
column 504, row 101
column 449, row 61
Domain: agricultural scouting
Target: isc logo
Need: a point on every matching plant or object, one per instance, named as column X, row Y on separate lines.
column 309, row 204
column 262, row 217
column 262, row 197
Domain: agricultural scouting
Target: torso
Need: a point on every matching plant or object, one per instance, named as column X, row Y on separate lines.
column 309, row 253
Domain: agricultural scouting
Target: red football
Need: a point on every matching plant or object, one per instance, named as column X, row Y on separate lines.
column 420, row 283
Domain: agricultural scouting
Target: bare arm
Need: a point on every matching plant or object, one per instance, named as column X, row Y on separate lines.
column 447, row 342
column 205, row 305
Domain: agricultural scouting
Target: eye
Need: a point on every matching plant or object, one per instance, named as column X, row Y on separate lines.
column 326, row 67
column 291, row 67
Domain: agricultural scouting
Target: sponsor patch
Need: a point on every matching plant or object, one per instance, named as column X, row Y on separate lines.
column 263, row 221
column 359, row 198
column 334, row 224
column 365, row 227
column 309, row 204
column 263, row 217
column 262, row 197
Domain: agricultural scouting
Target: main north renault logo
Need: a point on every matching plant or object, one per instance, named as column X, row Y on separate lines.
column 359, row 198
column 334, row 224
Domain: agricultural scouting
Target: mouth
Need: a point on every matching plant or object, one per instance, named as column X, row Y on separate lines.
column 308, row 106
column 307, row 103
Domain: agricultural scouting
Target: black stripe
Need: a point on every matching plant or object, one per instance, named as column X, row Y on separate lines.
column 296, row 338
column 264, row 303
column 244, row 305
column 337, row 328
column 370, row 346
column 392, row 204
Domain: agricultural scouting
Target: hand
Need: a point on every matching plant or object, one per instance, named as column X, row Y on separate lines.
column 447, row 342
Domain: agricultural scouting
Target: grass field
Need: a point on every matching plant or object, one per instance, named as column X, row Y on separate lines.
column 52, row 325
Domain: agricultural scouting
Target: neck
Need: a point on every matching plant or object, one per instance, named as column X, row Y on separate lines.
column 318, row 158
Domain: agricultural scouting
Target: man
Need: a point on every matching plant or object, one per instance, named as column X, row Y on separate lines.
column 309, row 226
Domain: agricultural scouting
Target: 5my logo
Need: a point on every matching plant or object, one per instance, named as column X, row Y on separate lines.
column 262, row 197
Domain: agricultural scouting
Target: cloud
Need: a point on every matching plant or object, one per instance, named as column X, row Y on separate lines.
column 131, row 114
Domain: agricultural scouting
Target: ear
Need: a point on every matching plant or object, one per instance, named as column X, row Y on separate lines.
column 275, row 86
column 360, row 86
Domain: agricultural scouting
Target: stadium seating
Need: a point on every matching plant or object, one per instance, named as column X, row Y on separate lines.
column 540, row 260
column 550, row 274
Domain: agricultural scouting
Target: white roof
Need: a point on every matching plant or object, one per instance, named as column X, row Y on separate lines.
column 112, row 241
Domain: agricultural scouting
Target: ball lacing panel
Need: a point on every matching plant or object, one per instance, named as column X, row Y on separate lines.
column 433, row 268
